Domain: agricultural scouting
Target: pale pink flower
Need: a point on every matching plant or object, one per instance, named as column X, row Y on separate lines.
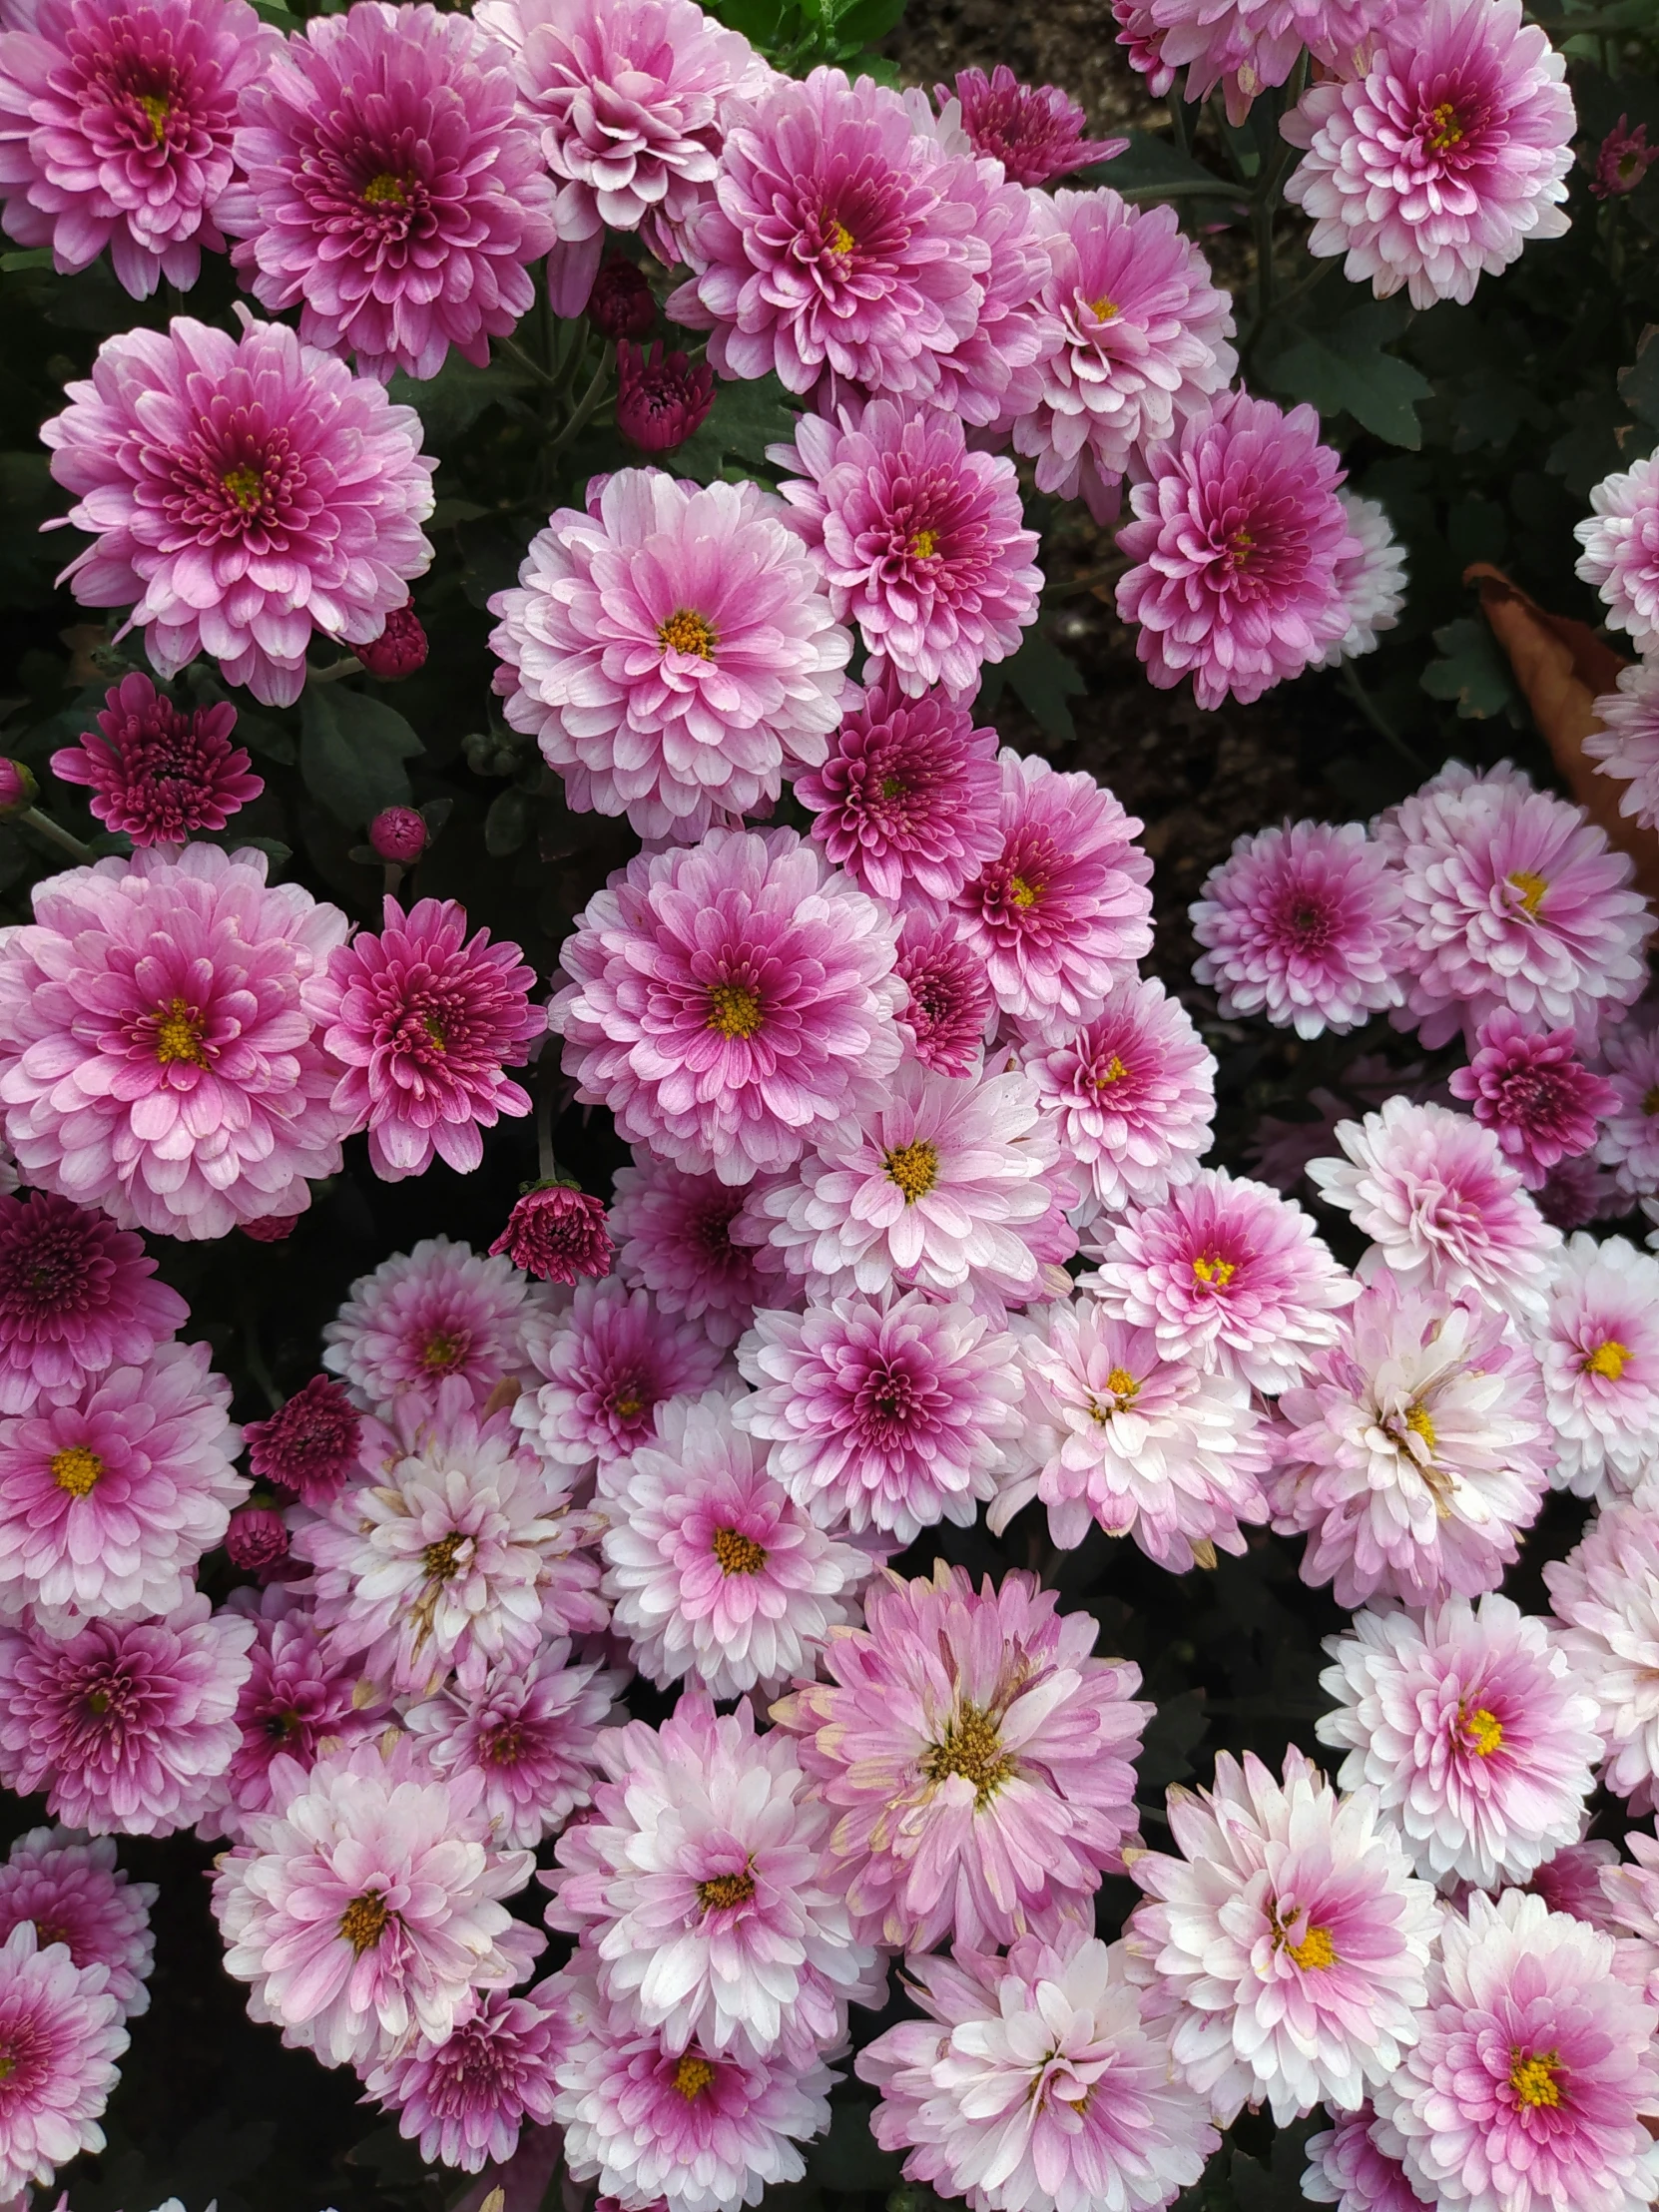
column 1346, row 2168
column 1626, row 743
column 77, row 1296
column 60, row 2036
column 442, row 1310
column 610, row 1358
column 70, row 1886
column 1629, row 1141
column 1629, row 1895
column 1599, row 1350
column 464, row 2098
column 673, row 1239
column 1247, row 45
column 1372, row 581
column 1606, row 1594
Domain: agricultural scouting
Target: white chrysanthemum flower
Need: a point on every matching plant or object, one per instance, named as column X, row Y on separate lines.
column 1626, row 744
column 1373, row 583
column 1598, row 1349
column 1606, row 1592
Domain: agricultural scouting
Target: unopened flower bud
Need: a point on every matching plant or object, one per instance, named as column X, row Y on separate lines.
column 557, row 1232
column 18, row 789
column 661, row 400
column 398, row 836
column 400, row 649
column 621, row 304
column 257, row 1538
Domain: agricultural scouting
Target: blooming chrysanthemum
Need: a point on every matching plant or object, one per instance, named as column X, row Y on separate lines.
column 698, row 1893
column 609, row 1360
column 77, row 1296
column 442, row 1310
column 945, row 1184
column 716, row 1572
column 126, row 1727
column 301, row 1696
column 310, row 1445
column 1000, row 2094
column 115, row 128
column 61, row 2033
column 1470, row 1729
column 1606, row 1594
column 1570, row 1879
column 1346, row 2168
column 1228, row 1272
column 1414, row 1452
column 108, row 1500
column 156, row 773
column 1034, row 131
column 922, row 543
column 1132, row 1093
column 976, row 1757
column 70, row 1886
column 907, row 798
column 1598, row 1349
column 364, row 1907
column 1245, row 45
column 1630, row 1911
column 1629, row 1141
column 1626, row 743
column 672, row 1236
column 155, row 1058
column 1513, row 899
column 1302, row 925
column 728, row 1002
column 466, row 2098
column 671, row 650
column 1372, row 581
column 993, row 374
column 422, row 1018
column 391, row 189
column 1118, row 1435
column 1437, row 158
column 889, row 1415
column 1533, row 2074
column 1295, row 1934
column 1441, row 1203
column 1531, row 1090
column 949, row 1006
column 241, row 492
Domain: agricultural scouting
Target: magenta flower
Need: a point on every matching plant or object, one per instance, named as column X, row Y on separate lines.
column 158, row 773
column 76, row 1298
column 661, row 400
column 671, row 650
column 923, row 543
column 1438, row 156
column 299, row 1696
column 398, row 835
column 728, row 1003
column 398, row 651
column 1629, row 1141
column 1623, row 159
column 1302, row 925
column 1621, row 550
column 949, row 1009
column 466, row 2098
column 75, row 1894
column 1235, row 541
column 1533, row 1090
column 60, row 2036
column 426, row 1315
column 674, row 1237
column 115, row 130
column 907, row 800
column 1346, row 2169
column 422, row 1018
column 1034, row 131
column 391, row 189
column 1142, row 40
column 1625, row 744
column 976, row 1756
column 256, row 1538
column 155, row 1055
column 310, row 1445
column 993, row 374
column 609, row 1360
column 557, row 1234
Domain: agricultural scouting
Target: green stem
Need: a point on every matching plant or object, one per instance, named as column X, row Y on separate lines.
column 45, row 827
column 351, row 666
column 586, row 407
column 1378, row 721
column 515, row 352
column 1185, row 188
column 546, row 1166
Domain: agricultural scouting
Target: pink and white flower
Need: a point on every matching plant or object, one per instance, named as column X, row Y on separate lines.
column 1625, row 744
column 423, row 1317
column 300, row 1696
column 610, row 1359
column 1346, row 2169
column 673, row 1236
column 1372, row 581
column 1606, row 1595
column 77, row 1296
column 70, row 1886
column 1629, row 1142
column 1599, row 1350
column 61, row 2033
column 1531, row 1090
column 466, row 2098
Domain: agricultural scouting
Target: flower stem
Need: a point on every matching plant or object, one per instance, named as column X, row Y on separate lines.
column 47, row 827
column 351, row 666
column 586, row 407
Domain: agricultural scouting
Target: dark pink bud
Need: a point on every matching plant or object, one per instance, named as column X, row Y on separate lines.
column 557, row 1232
column 1624, row 158
column 18, row 789
column 310, row 1445
column 400, row 649
column 661, row 400
column 621, row 305
column 398, row 835
column 273, row 1228
column 257, row 1538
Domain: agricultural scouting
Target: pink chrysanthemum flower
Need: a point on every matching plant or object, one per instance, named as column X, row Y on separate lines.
column 61, row 2033
column 1061, row 910
column 1606, row 1594
column 908, row 799
column 1470, row 1729
column 1229, row 1274
column 1578, row 1192
column 241, row 493
column 1146, row 1446
column 1234, row 551
column 1346, row 2168
column 1132, row 1094
column 728, row 1003
column 422, row 1018
column 300, row 1696
column 108, row 1500
column 1629, row 1911
column 673, row 1239
column 1629, row 1141
column 949, row 1007
column 890, row 1416
column 680, row 2129
column 1533, row 2074
column 310, row 1445
column 1372, row 581
column 945, row 1184
column 529, row 1731
column 1302, row 925
column 70, row 1886
column 1414, row 1452
column 922, row 543
column 1144, row 345
column 698, row 1891
column 1531, row 1090
column 1440, row 154
column 365, row 1909
column 557, row 1232
column 391, row 189
column 1626, row 743
column 1570, row 1881
column 716, row 1574
column 156, row 773
column 1441, row 1203
column 126, row 1727
column 609, row 1360
column 1513, row 899
column 465, row 2100
column 672, row 651
column 1248, row 45
column 155, row 1056
column 1142, row 40
column 77, row 1296
column 1294, row 1933
column 1598, row 1349
column 442, row 1310
column 978, row 1759
column 1022, row 2122
column 115, row 128
column 1622, row 160
column 1034, row 131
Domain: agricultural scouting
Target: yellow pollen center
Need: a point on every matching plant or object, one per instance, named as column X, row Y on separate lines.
column 1113, row 1072
column 970, row 1747
column 914, row 1168
column 692, row 2075
column 384, row 190
column 8, row 2066
column 1534, row 2079
column 734, row 1011
column 179, row 1035
column 444, row 1559
column 892, row 787
column 1123, row 1386
column 48, row 1932
column 98, row 1701
column 441, row 1353
column 1531, row 887
column 434, row 1030
column 1022, row 893
column 1447, row 131
column 1609, row 1359
column 724, row 1892
column 924, row 545
column 628, row 1409
column 1240, row 547
column 1418, row 1423
column 156, row 110
column 1103, row 308
column 246, row 486
column 76, row 1469
column 737, row 1553
column 685, row 632
column 1485, row 1731
column 840, row 238
column 1213, row 1271
column 363, row 1921
column 1315, row 1951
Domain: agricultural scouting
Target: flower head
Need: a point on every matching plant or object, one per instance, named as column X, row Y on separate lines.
column 1372, row 581
column 622, row 304
column 398, row 651
column 156, row 773
column 1606, row 1594
column 1598, row 1349
column 673, row 1233
column 1245, row 45
column 465, row 2097
column 61, row 2033
column 1034, row 131
column 300, row 1696
column 310, row 1445
column 1346, row 2168
column 1533, row 1092
column 557, row 1232
column 442, row 1310
column 76, row 1298
column 1625, row 741
column 70, row 1886
column 949, row 1009
column 661, row 400
column 1622, row 160
column 1629, row 1140
column 610, row 1358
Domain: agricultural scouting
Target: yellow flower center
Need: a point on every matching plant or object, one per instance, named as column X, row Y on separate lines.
column 628, row 1408
column 1123, row 1386
column 363, row 1921
column 1609, row 1359
column 1213, row 1271
column 76, row 1469
column 924, row 545
column 1418, row 1423
column 156, row 109
column 179, row 1034
column 1113, row 1072
column 737, row 1553
column 246, row 487
column 1240, row 547
column 972, row 1748
column 1484, row 1729
column 734, row 1011
column 1103, row 308
column 840, row 238
column 442, row 1560
column 1316, row 1951
column 1531, row 887
column 384, row 190
column 692, row 2075
column 1449, row 128
column 914, row 1168
column 892, row 787
column 434, row 1031
column 685, row 632
column 724, row 1892
column 442, row 1352
column 1534, row 2079
column 1022, row 892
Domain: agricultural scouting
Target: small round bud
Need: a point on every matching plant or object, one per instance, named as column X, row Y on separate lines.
column 18, row 790
column 621, row 305
column 557, row 1232
column 400, row 649
column 273, row 1228
column 398, row 836
column 256, row 1538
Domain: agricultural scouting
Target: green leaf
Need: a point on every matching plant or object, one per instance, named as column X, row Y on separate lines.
column 745, row 418
column 1639, row 384
column 1150, row 162
column 453, row 400
column 351, row 753
column 864, row 21
column 31, row 257
column 1042, row 678
column 1174, row 1730
column 1472, row 670
column 1344, row 372
column 1592, row 446
column 850, row 2158
column 260, row 735
column 507, row 824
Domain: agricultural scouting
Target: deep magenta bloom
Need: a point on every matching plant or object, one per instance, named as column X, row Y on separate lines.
column 18, row 789
column 398, row 652
column 673, row 1233
column 156, row 773
column 1534, row 1093
column 1034, row 131
column 923, row 543
column 1237, row 537
column 242, row 493
column 423, row 1016
column 298, row 1694
column 661, row 400
column 60, row 2036
column 557, row 1234
column 256, row 1538
column 76, row 1298
column 393, row 189
column 622, row 304
column 465, row 2100
column 310, row 1445
column 1623, row 159
column 73, row 1890
column 947, row 1014
column 115, row 128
